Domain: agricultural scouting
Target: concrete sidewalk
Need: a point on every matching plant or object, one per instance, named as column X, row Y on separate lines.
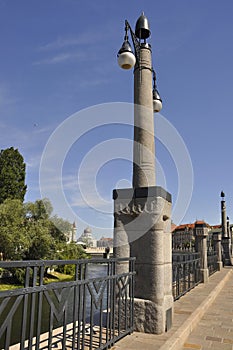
column 202, row 320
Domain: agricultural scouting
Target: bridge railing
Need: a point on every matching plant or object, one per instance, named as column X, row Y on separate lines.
column 185, row 272
column 93, row 310
column 212, row 262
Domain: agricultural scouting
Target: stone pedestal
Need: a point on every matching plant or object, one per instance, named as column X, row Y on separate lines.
column 201, row 234
column 226, row 245
column 143, row 229
column 217, row 238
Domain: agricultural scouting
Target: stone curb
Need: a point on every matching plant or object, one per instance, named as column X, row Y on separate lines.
column 176, row 341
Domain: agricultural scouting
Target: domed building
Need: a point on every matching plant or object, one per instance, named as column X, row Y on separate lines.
column 87, row 238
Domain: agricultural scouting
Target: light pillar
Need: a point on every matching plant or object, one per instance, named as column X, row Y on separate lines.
column 225, row 237
column 142, row 214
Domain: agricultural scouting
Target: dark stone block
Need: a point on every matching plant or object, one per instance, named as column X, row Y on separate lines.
column 142, row 192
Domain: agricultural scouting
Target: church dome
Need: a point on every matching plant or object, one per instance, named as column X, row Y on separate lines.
column 87, row 230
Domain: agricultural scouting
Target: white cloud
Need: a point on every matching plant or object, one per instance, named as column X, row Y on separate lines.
column 92, row 82
column 60, row 58
column 85, row 38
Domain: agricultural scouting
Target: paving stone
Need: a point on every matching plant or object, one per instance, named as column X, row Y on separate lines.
column 214, row 339
column 192, row 346
column 220, row 347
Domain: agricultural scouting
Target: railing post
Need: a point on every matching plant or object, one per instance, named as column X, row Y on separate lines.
column 201, row 234
column 217, row 238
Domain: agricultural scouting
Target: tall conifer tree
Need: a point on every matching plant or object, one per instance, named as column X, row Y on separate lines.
column 12, row 175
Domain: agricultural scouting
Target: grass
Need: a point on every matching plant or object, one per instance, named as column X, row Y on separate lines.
column 7, row 286
column 50, row 278
column 57, row 277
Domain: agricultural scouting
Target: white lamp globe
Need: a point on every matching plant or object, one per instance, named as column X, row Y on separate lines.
column 126, row 60
column 157, row 105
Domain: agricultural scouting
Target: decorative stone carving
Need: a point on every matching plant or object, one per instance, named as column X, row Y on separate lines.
column 134, row 208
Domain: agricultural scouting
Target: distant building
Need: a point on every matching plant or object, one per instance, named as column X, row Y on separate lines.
column 87, row 238
column 71, row 236
column 183, row 236
column 105, row 242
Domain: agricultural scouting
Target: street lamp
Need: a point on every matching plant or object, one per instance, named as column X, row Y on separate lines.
column 142, row 224
column 146, row 100
column 128, row 59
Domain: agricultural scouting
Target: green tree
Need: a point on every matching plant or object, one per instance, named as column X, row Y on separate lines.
column 40, row 212
column 14, row 241
column 12, row 175
column 27, row 231
column 41, row 209
column 60, row 228
column 40, row 230
column 70, row 251
column 42, row 244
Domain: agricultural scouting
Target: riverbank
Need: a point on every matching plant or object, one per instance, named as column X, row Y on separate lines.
column 5, row 283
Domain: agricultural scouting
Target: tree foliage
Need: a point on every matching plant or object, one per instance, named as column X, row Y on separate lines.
column 14, row 241
column 12, row 175
column 28, row 231
column 70, row 251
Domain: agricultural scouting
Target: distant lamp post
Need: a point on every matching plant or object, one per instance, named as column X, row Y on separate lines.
column 226, row 240
column 127, row 59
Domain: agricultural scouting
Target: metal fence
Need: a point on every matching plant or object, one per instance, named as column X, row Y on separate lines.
column 91, row 311
column 185, row 272
column 212, row 262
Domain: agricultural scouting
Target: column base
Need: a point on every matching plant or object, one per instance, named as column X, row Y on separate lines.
column 220, row 265
column 226, row 251
column 204, row 275
column 152, row 318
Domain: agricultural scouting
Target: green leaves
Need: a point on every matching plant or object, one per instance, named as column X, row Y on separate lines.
column 27, row 231
column 12, row 175
column 14, row 241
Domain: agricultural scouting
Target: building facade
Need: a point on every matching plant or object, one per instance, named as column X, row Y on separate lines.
column 183, row 236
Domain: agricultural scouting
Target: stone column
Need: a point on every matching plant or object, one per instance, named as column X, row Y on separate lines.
column 225, row 237
column 217, row 238
column 230, row 237
column 201, row 234
column 144, row 145
column 224, row 218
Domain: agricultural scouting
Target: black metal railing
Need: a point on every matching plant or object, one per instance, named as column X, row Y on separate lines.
column 212, row 262
column 91, row 311
column 185, row 273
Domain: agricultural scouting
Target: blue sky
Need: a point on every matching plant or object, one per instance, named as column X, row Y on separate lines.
column 58, row 57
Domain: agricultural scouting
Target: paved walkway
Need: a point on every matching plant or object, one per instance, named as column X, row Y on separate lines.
column 215, row 329
column 203, row 319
